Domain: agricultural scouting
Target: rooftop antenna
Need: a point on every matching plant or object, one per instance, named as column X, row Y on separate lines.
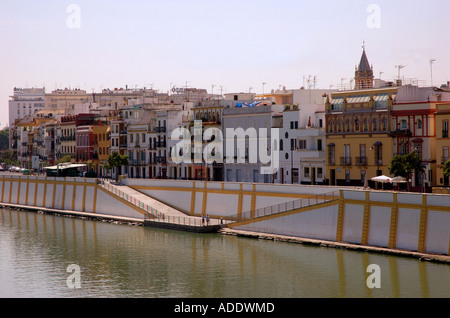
column 432, row 60
column 400, row 67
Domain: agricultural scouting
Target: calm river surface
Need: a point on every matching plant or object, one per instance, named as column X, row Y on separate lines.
column 132, row 261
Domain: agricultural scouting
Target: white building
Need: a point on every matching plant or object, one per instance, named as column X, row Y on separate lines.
column 302, row 145
column 25, row 102
column 248, row 118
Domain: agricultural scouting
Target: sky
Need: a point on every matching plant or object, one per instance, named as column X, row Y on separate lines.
column 234, row 44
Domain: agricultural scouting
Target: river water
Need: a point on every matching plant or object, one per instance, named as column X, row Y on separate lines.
column 111, row 260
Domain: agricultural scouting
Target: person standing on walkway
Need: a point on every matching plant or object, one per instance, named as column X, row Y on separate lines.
column 207, row 219
column 203, row 220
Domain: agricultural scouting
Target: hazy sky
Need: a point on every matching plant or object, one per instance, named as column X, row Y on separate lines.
column 237, row 44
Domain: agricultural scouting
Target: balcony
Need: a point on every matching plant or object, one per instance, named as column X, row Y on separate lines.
column 361, row 161
column 346, row 161
column 161, row 129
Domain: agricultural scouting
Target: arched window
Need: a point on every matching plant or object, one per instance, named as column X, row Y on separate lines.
column 339, row 127
column 385, row 123
column 375, row 124
column 366, row 124
column 331, row 126
column 356, row 124
column 403, row 124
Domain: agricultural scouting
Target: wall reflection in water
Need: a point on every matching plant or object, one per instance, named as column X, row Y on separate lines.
column 132, row 261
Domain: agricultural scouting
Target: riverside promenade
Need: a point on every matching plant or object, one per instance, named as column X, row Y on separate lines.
column 158, row 214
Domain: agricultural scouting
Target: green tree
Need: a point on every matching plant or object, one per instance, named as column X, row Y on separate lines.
column 398, row 167
column 8, row 158
column 446, row 169
column 405, row 165
column 67, row 158
column 4, row 139
column 116, row 160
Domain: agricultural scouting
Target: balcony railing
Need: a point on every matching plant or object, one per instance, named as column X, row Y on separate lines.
column 346, row 161
column 361, row 161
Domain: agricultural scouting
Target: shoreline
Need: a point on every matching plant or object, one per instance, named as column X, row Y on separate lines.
column 438, row 258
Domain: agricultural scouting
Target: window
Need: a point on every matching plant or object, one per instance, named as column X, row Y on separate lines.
column 347, row 176
column 331, row 152
column 281, row 144
column 375, row 124
column 403, row 124
column 384, row 124
column 419, row 124
column 331, row 127
column 302, row 144
column 319, row 144
column 366, row 125
column 306, row 172
column 320, row 123
column 319, row 173
column 356, row 124
column 293, row 144
column 445, row 129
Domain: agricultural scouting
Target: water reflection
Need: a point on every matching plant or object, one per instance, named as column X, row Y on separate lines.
column 131, row 261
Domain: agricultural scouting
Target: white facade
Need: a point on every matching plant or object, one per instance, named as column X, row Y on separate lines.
column 25, row 102
column 302, row 146
column 245, row 118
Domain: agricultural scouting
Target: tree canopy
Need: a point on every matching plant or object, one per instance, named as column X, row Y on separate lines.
column 405, row 165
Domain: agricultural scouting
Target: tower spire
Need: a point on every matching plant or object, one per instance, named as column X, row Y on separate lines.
column 364, row 73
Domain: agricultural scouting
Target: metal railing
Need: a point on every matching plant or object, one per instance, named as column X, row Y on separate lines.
column 289, row 206
column 153, row 214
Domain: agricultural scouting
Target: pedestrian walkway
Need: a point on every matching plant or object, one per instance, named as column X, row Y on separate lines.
column 158, row 213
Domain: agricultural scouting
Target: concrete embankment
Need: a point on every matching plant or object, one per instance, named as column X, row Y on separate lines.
column 332, row 244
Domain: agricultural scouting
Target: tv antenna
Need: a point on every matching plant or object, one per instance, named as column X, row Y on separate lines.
column 400, row 67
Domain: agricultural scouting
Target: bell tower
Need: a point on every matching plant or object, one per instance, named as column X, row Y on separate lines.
column 364, row 72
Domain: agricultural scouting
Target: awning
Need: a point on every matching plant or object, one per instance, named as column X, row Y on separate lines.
column 331, row 145
column 417, row 141
column 65, row 166
column 378, row 143
column 381, row 98
column 358, row 99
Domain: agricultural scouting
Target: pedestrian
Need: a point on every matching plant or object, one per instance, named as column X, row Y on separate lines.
column 203, row 220
column 207, row 219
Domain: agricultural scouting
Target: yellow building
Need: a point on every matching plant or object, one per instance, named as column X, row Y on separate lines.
column 102, row 145
column 442, row 116
column 358, row 126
